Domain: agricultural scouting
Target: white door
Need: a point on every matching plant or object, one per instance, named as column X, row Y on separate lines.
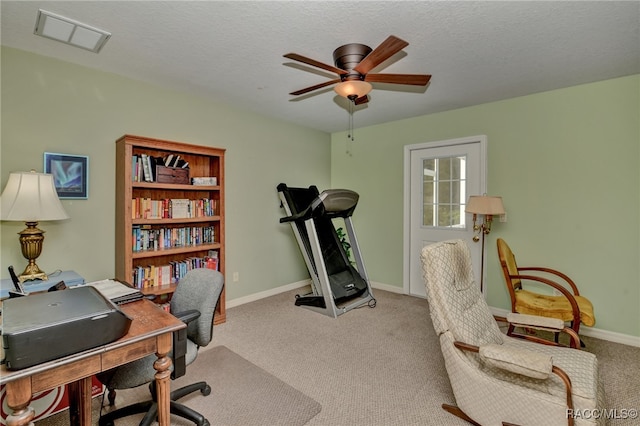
column 439, row 178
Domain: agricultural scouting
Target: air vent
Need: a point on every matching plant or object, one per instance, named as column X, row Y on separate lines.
column 70, row 32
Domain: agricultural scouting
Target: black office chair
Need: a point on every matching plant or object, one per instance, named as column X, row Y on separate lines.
column 194, row 301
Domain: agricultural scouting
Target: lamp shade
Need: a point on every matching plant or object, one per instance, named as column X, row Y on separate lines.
column 484, row 204
column 357, row 88
column 31, row 197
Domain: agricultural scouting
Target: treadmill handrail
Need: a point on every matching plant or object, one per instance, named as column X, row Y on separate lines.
column 302, row 216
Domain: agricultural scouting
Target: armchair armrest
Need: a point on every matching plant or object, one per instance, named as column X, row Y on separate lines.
column 555, row 370
column 533, row 321
column 555, row 272
column 526, row 363
column 553, row 325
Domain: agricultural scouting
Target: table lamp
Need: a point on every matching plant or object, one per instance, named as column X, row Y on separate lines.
column 487, row 206
column 31, row 197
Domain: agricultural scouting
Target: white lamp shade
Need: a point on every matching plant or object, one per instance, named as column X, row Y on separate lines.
column 484, row 204
column 357, row 88
column 31, row 197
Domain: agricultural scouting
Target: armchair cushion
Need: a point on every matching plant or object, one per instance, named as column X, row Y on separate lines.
column 531, row 364
column 531, row 303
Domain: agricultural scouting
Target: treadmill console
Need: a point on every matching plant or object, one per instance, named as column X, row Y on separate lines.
column 337, row 202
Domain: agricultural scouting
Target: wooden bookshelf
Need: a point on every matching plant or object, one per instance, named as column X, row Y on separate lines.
column 203, row 162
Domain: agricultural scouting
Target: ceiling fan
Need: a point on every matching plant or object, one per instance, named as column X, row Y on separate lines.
column 352, row 64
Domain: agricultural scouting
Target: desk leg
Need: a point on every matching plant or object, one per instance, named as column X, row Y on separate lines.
column 18, row 398
column 80, row 401
column 162, row 365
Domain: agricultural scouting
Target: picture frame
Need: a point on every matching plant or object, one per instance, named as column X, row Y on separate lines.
column 70, row 174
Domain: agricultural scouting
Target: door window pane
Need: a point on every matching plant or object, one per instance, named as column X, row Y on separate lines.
column 444, row 192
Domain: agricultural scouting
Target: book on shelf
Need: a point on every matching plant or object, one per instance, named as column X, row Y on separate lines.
column 146, row 169
column 173, row 160
column 204, row 180
column 180, row 208
column 165, row 275
column 134, row 168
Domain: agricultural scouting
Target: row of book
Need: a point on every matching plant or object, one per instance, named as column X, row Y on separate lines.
column 147, row 238
column 171, row 273
column 172, row 208
column 143, row 166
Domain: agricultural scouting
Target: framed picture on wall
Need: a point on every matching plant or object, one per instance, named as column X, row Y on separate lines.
column 70, row 174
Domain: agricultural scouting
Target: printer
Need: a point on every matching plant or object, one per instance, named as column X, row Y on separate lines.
column 46, row 326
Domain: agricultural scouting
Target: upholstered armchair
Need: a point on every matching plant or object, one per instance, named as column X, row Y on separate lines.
column 194, row 302
column 497, row 379
column 568, row 305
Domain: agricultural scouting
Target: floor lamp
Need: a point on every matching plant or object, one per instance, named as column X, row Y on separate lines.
column 487, row 206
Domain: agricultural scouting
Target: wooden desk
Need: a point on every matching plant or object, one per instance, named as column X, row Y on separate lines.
column 151, row 332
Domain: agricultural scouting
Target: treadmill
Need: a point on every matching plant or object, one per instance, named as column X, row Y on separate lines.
column 337, row 285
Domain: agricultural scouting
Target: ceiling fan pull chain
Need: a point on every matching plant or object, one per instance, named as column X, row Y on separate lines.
column 350, row 135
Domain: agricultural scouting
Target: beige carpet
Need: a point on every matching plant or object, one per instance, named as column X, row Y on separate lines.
column 369, row 367
column 380, row 366
column 241, row 394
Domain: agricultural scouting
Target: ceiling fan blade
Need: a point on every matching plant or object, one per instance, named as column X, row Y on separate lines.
column 314, row 63
column 387, row 49
column 317, row 86
column 361, row 100
column 413, row 79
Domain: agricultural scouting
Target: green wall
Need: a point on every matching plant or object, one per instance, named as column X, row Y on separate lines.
column 566, row 163
column 54, row 106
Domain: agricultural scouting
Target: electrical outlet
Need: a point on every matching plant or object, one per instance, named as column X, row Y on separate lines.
column 503, row 217
column 236, row 277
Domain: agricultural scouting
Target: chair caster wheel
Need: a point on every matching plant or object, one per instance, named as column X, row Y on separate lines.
column 206, row 423
column 206, row 391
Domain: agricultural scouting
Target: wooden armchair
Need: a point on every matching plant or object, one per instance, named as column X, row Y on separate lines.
column 569, row 306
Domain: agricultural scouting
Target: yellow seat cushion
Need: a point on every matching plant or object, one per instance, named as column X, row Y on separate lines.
column 544, row 305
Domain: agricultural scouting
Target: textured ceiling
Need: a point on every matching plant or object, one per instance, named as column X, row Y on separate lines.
column 231, row 51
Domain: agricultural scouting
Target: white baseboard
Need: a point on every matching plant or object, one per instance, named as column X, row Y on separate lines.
column 267, row 293
column 386, row 287
column 610, row 336
column 288, row 287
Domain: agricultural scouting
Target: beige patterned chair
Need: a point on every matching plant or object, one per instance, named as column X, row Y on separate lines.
column 498, row 379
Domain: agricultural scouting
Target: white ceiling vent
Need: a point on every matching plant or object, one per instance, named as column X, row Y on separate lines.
column 71, row 32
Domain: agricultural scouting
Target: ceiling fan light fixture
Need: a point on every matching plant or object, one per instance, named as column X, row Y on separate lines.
column 350, row 88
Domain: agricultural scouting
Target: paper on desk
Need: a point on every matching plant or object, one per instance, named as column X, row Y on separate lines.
column 116, row 291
